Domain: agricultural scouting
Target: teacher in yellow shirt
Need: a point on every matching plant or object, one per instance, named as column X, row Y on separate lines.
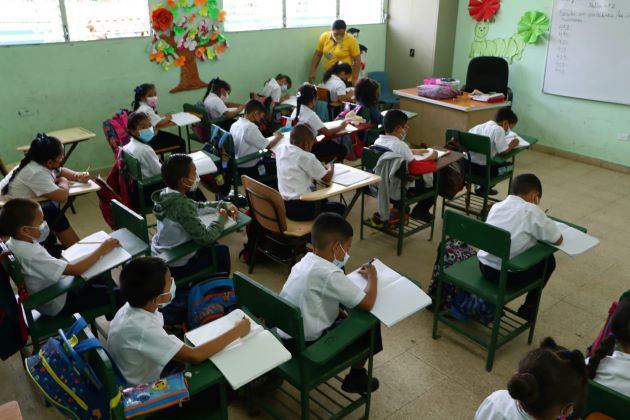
column 335, row 45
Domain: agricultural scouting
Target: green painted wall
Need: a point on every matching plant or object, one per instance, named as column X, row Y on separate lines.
column 579, row 126
column 48, row 87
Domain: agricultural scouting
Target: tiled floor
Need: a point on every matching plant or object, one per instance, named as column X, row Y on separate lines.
column 445, row 379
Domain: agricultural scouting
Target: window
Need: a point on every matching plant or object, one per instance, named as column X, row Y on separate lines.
column 43, row 21
column 249, row 15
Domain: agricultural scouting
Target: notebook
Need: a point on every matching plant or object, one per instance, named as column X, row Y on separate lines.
column 488, row 97
column 575, row 242
column 440, row 153
column 82, row 249
column 204, row 164
column 184, row 118
column 511, row 135
column 246, row 358
column 346, row 176
column 331, row 125
column 397, row 297
column 206, row 219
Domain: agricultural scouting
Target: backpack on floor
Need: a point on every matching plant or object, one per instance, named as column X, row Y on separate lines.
column 209, row 300
column 67, row 381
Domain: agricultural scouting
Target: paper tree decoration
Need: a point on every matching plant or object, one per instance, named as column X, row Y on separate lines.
column 483, row 9
column 185, row 31
column 532, row 26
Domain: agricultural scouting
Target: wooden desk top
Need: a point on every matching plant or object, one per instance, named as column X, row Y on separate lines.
column 336, row 189
column 10, row 411
column 76, row 188
column 461, row 103
column 447, row 159
column 66, row 136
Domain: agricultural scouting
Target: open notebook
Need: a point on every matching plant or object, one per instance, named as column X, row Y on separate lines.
column 331, row 125
column 397, row 297
column 346, row 176
column 89, row 244
column 206, row 219
column 246, row 358
column 511, row 135
column 440, row 153
column 204, row 164
column 575, row 242
column 184, row 118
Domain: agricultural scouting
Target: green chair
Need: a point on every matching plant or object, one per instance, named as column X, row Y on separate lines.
column 601, row 399
column 467, row 276
column 124, row 217
column 141, row 187
column 469, row 202
column 405, row 226
column 41, row 326
column 200, row 132
column 314, row 370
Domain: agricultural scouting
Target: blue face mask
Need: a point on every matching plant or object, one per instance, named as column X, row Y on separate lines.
column 346, row 257
column 146, row 134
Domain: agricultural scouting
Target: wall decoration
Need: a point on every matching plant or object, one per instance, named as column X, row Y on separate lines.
column 483, row 9
column 185, row 31
column 509, row 48
column 532, row 26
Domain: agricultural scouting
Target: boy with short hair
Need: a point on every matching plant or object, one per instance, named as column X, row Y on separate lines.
column 178, row 219
column 396, row 127
column 520, row 215
column 137, row 341
column 496, row 130
column 318, row 286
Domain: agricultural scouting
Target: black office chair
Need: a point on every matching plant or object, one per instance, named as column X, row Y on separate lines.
column 488, row 74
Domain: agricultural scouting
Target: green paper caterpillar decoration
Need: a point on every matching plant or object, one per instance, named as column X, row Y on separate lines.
column 507, row 48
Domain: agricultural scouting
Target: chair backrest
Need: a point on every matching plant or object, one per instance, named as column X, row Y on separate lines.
column 471, row 142
column 199, row 110
column 265, row 304
column 124, row 217
column 491, row 239
column 607, row 401
column 369, row 158
column 222, row 140
column 131, row 166
column 381, row 78
column 266, row 204
column 323, row 94
column 488, row 74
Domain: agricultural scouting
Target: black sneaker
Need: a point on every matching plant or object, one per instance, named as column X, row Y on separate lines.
column 424, row 216
column 356, row 382
column 480, row 191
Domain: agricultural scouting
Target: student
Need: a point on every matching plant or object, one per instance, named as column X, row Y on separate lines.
column 178, row 219
column 366, row 94
column 297, row 169
column 520, row 215
column 549, row 382
column 216, row 100
column 496, row 130
column 248, row 139
column 278, row 88
column 137, row 341
column 23, row 220
column 395, row 125
column 304, row 114
column 145, row 100
column 335, row 79
column 608, row 366
column 318, row 286
column 141, row 132
column 40, row 174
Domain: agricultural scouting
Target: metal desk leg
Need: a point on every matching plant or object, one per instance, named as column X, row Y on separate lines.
column 357, row 193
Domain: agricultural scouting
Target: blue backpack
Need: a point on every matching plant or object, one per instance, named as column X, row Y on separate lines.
column 209, row 300
column 67, row 380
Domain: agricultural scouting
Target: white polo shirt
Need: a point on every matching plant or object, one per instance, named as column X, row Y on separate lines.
column 318, row 287
column 139, row 345
column 215, row 106
column 501, row 406
column 336, row 87
column 296, row 169
column 247, row 140
column 40, row 270
column 614, row 372
column 273, row 89
column 34, row 180
column 150, row 112
column 396, row 145
column 309, row 117
column 527, row 224
column 498, row 143
column 149, row 162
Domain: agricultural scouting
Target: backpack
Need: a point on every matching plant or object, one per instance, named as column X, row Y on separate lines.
column 115, row 130
column 13, row 329
column 265, row 124
column 67, row 380
column 117, row 186
column 209, row 300
column 453, row 176
column 219, row 182
column 437, row 91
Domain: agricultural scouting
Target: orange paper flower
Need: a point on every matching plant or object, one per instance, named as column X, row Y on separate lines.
column 200, row 2
column 222, row 15
column 192, row 18
column 219, row 48
column 171, row 3
column 200, row 52
column 181, row 60
column 161, row 19
column 214, row 36
column 158, row 56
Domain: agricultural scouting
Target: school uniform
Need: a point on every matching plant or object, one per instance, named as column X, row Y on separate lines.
column 498, row 145
column 272, row 89
column 501, row 406
column 42, row 270
column 325, row 150
column 527, row 224
column 215, row 106
column 297, row 169
column 139, row 345
column 162, row 139
column 614, row 372
column 149, row 162
column 336, row 87
column 247, row 140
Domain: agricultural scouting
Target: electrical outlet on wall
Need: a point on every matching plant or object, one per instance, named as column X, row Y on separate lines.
column 622, row 137
column 412, row 52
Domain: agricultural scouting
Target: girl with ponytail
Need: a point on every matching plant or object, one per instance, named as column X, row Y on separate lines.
column 40, row 174
column 216, row 102
column 550, row 381
column 608, row 366
column 335, row 81
column 327, row 149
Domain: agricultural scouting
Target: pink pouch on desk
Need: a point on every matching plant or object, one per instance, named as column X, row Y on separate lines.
column 437, row 91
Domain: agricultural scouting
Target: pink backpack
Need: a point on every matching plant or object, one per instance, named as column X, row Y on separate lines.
column 437, row 91
column 115, row 130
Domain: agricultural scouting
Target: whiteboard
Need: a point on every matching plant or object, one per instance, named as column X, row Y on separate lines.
column 589, row 50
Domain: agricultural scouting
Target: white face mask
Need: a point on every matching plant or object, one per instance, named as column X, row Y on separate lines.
column 152, row 101
column 225, row 97
column 346, row 257
column 195, row 183
column 284, row 88
column 171, row 292
column 44, row 231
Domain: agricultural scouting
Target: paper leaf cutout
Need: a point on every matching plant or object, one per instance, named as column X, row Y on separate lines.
column 181, row 60
column 532, row 26
column 204, row 11
column 211, row 54
column 200, row 2
column 483, row 9
column 214, row 12
column 179, row 30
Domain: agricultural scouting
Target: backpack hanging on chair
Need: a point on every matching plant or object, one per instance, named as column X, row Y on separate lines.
column 115, row 130
column 116, row 186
